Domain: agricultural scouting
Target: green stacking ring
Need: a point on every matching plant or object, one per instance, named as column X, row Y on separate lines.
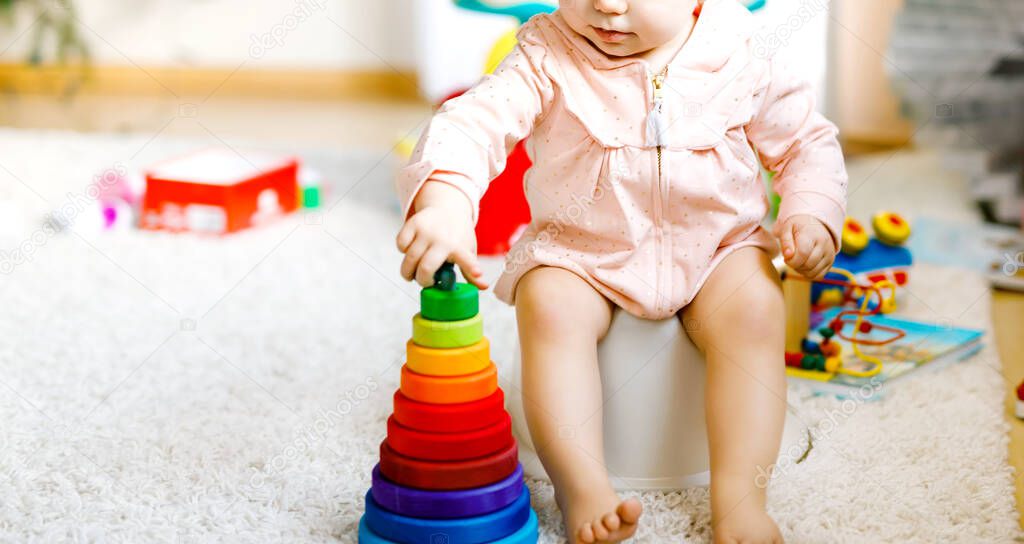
column 447, row 334
column 462, row 302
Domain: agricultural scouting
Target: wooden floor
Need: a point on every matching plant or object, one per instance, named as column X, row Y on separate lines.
column 374, row 124
column 1008, row 318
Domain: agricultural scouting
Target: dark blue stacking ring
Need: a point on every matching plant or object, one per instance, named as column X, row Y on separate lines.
column 473, row 530
column 464, row 503
column 527, row 534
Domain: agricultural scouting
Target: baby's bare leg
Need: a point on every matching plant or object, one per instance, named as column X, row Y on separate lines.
column 737, row 321
column 561, row 319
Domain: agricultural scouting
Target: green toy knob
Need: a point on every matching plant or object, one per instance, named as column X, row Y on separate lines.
column 458, row 303
column 444, row 278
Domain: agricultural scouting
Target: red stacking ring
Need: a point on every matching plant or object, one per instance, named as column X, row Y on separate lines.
column 460, row 446
column 447, row 475
column 449, row 418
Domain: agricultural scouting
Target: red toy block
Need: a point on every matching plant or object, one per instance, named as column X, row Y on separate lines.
column 219, row 191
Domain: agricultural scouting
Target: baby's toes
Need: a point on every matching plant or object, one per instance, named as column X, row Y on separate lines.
column 586, row 533
column 600, row 532
column 611, row 522
column 629, row 511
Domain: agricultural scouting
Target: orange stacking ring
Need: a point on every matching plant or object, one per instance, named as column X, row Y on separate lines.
column 460, row 446
column 449, row 418
column 447, row 475
column 449, row 389
column 450, row 361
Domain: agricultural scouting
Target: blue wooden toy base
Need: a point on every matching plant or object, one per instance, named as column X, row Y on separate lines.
column 494, row 527
column 527, row 534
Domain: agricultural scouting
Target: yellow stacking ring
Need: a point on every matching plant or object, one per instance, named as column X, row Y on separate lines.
column 448, row 362
column 447, row 334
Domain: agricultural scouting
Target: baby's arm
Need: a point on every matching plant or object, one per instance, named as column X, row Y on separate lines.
column 801, row 147
column 464, row 147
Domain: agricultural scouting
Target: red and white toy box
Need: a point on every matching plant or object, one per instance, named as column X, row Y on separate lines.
column 219, row 191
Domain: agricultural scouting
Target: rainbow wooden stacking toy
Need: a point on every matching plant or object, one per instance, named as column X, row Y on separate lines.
column 449, row 469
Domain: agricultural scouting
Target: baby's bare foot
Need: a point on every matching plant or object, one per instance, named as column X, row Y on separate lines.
column 747, row 525
column 598, row 516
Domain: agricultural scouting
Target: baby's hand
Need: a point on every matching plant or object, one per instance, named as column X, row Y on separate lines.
column 441, row 230
column 806, row 245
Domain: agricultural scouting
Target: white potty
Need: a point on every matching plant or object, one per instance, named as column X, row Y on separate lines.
column 653, row 386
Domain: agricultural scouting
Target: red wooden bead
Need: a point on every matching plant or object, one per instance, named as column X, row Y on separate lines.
column 865, row 327
column 793, row 358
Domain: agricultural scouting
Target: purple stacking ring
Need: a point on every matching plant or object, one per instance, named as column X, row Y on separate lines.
column 422, row 503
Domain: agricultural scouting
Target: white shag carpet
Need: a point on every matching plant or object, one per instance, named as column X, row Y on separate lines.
column 168, row 388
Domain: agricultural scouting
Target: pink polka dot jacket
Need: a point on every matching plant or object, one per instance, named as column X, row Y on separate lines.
column 640, row 189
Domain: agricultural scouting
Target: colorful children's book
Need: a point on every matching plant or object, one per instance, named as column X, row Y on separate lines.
column 925, row 347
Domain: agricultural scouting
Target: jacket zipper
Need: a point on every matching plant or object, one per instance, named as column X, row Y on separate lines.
column 656, row 130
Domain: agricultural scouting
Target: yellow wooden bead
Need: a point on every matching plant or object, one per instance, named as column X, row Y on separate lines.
column 855, row 237
column 830, row 297
column 890, row 228
column 832, row 364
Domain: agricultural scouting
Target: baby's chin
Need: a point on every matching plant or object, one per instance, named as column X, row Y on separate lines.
column 624, row 49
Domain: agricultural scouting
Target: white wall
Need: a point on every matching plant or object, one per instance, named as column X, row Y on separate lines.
column 374, row 35
column 801, row 27
column 445, row 45
column 452, row 45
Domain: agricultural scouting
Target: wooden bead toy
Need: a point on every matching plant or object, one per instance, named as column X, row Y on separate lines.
column 447, row 475
column 422, row 503
column 811, row 361
column 793, row 358
column 832, row 364
column 455, row 304
column 449, row 389
column 447, row 334
column 449, row 418
column 855, row 238
column 865, row 327
column 830, row 297
column 468, row 530
column 831, row 349
column 459, row 446
column 448, row 362
column 890, row 228
column 809, row 346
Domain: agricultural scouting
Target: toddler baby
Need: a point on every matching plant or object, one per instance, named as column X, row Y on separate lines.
column 647, row 122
